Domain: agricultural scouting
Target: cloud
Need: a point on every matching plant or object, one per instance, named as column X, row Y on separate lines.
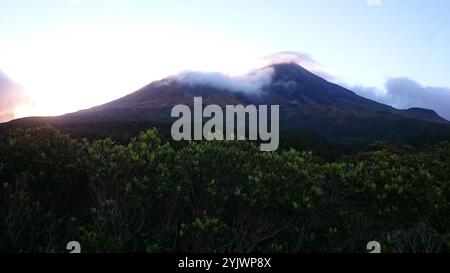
column 373, row 2
column 404, row 93
column 370, row 92
column 300, row 58
column 248, row 83
column 258, row 78
column 73, row 2
column 11, row 95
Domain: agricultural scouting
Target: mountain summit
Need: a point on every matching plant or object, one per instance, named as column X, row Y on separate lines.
column 307, row 103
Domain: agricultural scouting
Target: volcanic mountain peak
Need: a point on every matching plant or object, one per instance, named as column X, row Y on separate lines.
column 307, row 103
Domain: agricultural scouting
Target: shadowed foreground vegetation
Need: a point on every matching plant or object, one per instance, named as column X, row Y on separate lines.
column 150, row 196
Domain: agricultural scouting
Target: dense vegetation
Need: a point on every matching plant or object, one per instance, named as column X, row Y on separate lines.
column 149, row 195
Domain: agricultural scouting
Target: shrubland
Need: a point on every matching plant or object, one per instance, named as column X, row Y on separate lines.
column 149, row 195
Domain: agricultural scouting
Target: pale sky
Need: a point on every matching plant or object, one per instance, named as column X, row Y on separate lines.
column 66, row 55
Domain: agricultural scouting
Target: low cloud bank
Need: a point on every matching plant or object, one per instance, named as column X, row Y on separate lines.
column 254, row 81
column 249, row 83
column 405, row 93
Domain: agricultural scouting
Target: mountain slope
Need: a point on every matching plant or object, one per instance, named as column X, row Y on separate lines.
column 307, row 103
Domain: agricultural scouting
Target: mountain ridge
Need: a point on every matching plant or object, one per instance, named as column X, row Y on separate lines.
column 307, row 102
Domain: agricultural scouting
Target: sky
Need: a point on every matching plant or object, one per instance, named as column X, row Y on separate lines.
column 59, row 56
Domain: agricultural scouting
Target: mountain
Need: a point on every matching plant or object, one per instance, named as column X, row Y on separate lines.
column 308, row 103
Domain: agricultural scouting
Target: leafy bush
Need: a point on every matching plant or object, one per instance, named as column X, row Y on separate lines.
column 152, row 196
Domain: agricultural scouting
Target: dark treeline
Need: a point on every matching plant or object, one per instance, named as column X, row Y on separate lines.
column 150, row 195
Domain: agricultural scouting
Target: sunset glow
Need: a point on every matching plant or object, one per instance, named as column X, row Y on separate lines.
column 74, row 70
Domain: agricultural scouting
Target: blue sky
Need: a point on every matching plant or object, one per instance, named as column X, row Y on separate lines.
column 88, row 52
